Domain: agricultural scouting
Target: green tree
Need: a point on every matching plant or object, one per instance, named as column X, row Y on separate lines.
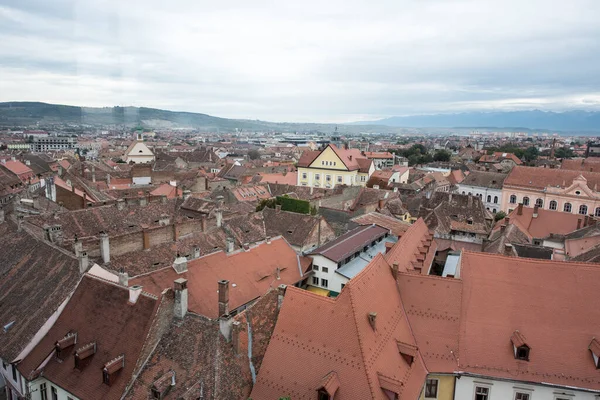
column 254, row 154
column 442, row 155
column 531, row 154
column 563, row 152
column 499, row 215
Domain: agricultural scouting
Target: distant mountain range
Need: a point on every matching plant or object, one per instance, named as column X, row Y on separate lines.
column 585, row 121
column 43, row 114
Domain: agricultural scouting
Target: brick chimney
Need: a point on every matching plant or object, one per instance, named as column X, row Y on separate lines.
column 277, row 208
column 77, row 247
column 281, row 289
column 104, row 247
column 230, row 245
column 180, row 264
column 470, row 200
column 508, row 249
column 175, row 232
column 146, row 239
column 120, row 204
column 203, row 223
column 143, row 201
column 502, row 227
column 395, row 271
column 187, row 194
column 223, row 297
column 578, row 223
column 83, row 262
column 507, row 220
column 380, row 204
column 196, row 252
column 181, row 297
column 535, row 211
column 520, row 209
column 134, row 293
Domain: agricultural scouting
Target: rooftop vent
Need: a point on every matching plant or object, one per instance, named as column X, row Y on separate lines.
column 594, row 347
column 372, row 319
column 83, row 354
column 112, row 367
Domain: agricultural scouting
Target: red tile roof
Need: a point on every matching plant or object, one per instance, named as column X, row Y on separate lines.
column 17, row 167
column 301, row 356
column 414, row 250
column 100, row 313
column 253, row 273
column 166, row 190
column 396, row 226
column 379, row 154
column 308, row 157
column 289, row 178
column 546, row 223
column 549, row 302
column 540, row 178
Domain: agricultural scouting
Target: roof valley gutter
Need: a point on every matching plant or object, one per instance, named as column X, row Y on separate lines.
column 252, row 369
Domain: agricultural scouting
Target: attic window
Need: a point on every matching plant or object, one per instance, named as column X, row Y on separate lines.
column 470, row 221
column 162, row 386
column 84, row 353
column 594, row 347
column 407, row 351
column 112, row 367
column 577, row 192
column 520, row 347
column 69, row 340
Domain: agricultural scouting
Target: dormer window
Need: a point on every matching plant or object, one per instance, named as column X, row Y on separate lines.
column 83, row 354
column 111, row 368
column 520, row 347
column 407, row 351
column 595, row 349
column 69, row 340
column 328, row 386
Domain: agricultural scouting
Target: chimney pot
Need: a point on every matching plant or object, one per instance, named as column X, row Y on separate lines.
column 105, row 247
column 223, row 297
column 83, row 262
column 134, row 293
column 123, row 278
column 180, row 265
column 230, row 245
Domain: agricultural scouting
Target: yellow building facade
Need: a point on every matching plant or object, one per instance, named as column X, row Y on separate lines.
column 445, row 387
column 333, row 166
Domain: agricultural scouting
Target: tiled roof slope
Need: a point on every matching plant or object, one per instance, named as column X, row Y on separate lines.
column 295, row 227
column 546, row 223
column 253, row 272
column 360, row 356
column 581, row 164
column 89, row 222
column 350, row 242
column 492, row 180
column 551, row 303
column 99, row 312
column 35, row 278
column 161, row 255
column 414, row 250
column 434, row 317
column 396, row 226
column 540, row 178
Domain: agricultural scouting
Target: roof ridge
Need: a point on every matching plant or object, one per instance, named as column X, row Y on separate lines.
column 556, row 263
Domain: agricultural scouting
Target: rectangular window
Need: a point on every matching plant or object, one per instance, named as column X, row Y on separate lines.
column 325, row 269
column 343, row 284
column 54, row 393
column 522, row 396
column 482, row 393
column 304, row 175
column 431, row 388
column 14, row 372
column 324, row 282
column 43, row 391
column 339, row 179
column 317, row 176
column 315, row 267
column 315, row 280
column 328, row 178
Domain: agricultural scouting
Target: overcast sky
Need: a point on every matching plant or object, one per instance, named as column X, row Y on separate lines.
column 308, row 60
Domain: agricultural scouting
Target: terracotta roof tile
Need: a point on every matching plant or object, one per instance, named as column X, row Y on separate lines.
column 350, row 242
column 540, row 178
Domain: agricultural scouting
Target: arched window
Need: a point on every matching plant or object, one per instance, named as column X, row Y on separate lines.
column 470, row 193
column 489, row 198
column 513, row 199
column 539, row 203
column 463, row 192
column 583, row 209
column 567, row 207
column 495, row 199
column 597, row 213
column 525, row 201
column 553, row 205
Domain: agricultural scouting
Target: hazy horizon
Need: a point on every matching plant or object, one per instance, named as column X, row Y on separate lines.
column 338, row 61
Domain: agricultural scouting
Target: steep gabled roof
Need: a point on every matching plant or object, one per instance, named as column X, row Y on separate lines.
column 540, row 178
column 364, row 359
column 99, row 312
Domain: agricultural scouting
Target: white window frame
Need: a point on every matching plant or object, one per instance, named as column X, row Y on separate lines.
column 340, row 179
column 304, row 175
column 518, row 390
column 482, row 385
